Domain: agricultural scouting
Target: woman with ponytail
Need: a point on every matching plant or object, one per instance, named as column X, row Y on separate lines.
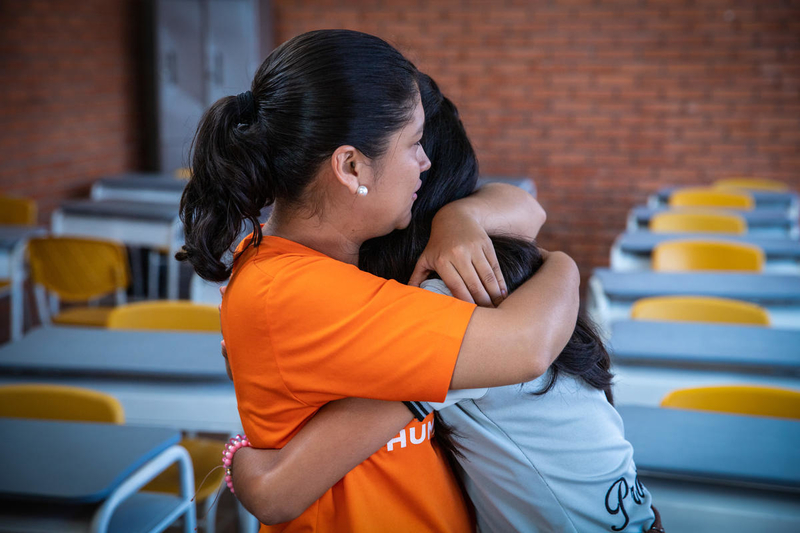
column 329, row 135
column 547, row 455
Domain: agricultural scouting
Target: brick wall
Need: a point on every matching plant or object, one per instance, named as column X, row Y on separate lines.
column 601, row 102
column 68, row 94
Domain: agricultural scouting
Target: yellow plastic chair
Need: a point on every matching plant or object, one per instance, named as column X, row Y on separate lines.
column 738, row 399
column 20, row 211
column 756, row 184
column 699, row 309
column 205, row 453
column 23, row 212
column 711, row 197
column 183, row 173
column 77, row 270
column 169, row 314
column 683, row 256
column 59, row 402
column 697, row 221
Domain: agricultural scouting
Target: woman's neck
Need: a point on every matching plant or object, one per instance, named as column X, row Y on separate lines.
column 312, row 231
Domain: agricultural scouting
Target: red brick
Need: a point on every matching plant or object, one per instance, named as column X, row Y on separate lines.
column 601, row 103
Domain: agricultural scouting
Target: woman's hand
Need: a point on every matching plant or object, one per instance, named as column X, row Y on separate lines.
column 279, row 485
column 461, row 252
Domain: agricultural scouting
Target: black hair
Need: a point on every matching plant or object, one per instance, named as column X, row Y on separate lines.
column 453, row 175
column 316, row 92
column 584, row 356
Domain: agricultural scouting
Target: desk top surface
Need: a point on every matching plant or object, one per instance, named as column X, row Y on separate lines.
column 767, row 216
column 643, row 242
column 101, row 352
column 785, row 198
column 11, row 235
column 143, row 181
column 73, row 461
column 707, row 446
column 765, row 288
column 149, row 211
column 704, row 344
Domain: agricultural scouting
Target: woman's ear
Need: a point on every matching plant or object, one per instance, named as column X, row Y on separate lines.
column 349, row 167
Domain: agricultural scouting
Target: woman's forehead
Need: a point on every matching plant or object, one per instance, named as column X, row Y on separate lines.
column 417, row 119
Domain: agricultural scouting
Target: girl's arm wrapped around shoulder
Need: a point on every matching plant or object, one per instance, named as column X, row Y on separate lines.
column 277, row 486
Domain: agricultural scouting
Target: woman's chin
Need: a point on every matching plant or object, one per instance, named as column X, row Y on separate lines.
column 403, row 224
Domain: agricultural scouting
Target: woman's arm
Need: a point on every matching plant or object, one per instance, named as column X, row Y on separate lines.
column 278, row 485
column 515, row 342
column 460, row 250
column 503, row 209
column 519, row 340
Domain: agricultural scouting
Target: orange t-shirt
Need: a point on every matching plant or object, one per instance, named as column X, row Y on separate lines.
column 303, row 329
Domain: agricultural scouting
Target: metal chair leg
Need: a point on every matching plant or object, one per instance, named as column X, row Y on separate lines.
column 153, row 277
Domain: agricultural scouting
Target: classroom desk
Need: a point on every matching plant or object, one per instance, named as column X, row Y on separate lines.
column 714, row 447
column 763, row 199
column 140, row 187
column 611, row 294
column 58, row 474
column 751, row 349
column 717, row 472
column 137, row 224
column 13, row 240
column 164, row 188
column 767, row 222
column 632, row 251
column 648, row 385
column 166, row 379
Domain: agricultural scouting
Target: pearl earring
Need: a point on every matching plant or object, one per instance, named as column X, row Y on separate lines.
column 361, row 191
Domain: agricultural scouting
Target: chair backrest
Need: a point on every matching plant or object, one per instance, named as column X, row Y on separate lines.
column 757, row 184
column 172, row 315
column 17, row 211
column 696, row 221
column 78, row 269
column 711, row 197
column 59, row 402
column 739, row 399
column 699, row 309
column 683, row 256
column 183, row 173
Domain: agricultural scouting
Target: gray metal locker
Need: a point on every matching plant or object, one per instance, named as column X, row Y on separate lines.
column 204, row 50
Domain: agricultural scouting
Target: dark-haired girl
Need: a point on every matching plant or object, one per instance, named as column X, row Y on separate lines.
column 330, row 136
column 547, row 455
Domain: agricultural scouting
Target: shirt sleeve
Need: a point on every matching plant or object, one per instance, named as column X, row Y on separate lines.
column 337, row 331
column 453, row 397
column 422, row 409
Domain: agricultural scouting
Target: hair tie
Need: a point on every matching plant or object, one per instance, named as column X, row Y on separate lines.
column 246, row 105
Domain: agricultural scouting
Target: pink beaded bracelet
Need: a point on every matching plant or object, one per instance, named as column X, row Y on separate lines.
column 239, row 441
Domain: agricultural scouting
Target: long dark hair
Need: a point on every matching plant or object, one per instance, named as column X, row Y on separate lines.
column 314, row 93
column 584, row 356
column 453, row 175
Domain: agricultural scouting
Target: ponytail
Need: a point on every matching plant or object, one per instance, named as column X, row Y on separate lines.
column 318, row 91
column 230, row 184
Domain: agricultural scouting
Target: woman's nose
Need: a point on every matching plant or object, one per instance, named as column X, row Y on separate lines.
column 425, row 164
